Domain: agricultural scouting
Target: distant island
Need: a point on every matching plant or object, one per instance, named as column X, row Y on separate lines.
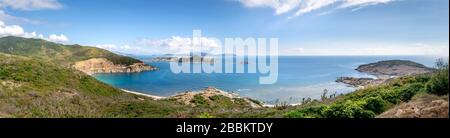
column 394, row 68
column 185, row 59
column 384, row 71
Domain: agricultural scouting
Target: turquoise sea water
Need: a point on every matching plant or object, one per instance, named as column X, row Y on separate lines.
column 299, row 77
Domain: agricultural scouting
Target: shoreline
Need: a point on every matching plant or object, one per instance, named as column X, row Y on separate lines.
column 143, row 94
column 162, row 97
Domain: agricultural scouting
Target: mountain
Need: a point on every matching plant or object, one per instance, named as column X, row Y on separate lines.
column 70, row 55
column 35, row 81
column 42, row 49
column 37, row 88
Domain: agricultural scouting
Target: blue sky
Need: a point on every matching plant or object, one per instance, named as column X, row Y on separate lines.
column 304, row 27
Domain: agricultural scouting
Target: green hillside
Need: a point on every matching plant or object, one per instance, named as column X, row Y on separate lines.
column 59, row 53
column 37, row 88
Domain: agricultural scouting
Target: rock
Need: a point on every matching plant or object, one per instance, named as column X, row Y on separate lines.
column 187, row 97
column 427, row 106
column 196, row 59
column 185, row 59
column 164, row 59
column 359, row 82
column 102, row 65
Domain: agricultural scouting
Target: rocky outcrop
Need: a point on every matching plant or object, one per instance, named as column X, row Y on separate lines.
column 427, row 106
column 385, row 70
column 359, row 82
column 102, row 65
column 164, row 59
column 394, row 68
column 188, row 98
column 185, row 59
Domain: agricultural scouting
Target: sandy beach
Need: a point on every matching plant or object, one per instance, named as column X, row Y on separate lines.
column 146, row 95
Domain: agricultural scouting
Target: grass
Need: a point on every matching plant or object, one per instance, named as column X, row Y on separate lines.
column 35, row 88
column 370, row 102
column 58, row 53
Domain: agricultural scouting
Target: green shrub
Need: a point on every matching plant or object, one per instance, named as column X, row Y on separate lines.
column 376, row 104
column 308, row 112
column 205, row 115
column 199, row 100
column 438, row 83
column 409, row 90
column 391, row 95
column 349, row 109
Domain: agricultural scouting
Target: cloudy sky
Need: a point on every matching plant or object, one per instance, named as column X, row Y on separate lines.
column 304, row 27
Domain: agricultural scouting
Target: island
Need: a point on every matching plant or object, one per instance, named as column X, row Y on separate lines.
column 384, row 71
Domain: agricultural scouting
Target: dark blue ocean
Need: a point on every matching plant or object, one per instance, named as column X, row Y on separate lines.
column 299, row 77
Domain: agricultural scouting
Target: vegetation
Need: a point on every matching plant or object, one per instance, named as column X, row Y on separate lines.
column 439, row 80
column 369, row 102
column 58, row 53
column 35, row 82
column 37, row 88
column 391, row 63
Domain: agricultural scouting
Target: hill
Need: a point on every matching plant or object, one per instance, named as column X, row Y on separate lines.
column 394, row 68
column 71, row 55
column 42, row 49
column 37, row 88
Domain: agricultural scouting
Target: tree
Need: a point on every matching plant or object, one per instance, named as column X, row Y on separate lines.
column 438, row 83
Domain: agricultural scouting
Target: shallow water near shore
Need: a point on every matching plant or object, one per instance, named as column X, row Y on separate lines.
column 299, row 77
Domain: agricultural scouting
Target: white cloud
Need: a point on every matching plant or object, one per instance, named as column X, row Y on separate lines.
column 15, row 30
column 306, row 6
column 280, row 6
column 16, row 20
column 311, row 5
column 29, row 5
column 179, row 45
column 362, row 3
column 58, row 38
column 25, row 5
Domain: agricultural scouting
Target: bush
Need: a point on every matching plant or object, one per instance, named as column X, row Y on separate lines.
column 409, row 90
column 199, row 100
column 438, row 83
column 349, row 109
column 205, row 115
column 376, row 104
column 308, row 112
column 391, row 95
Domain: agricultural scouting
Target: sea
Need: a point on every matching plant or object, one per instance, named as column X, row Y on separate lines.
column 298, row 77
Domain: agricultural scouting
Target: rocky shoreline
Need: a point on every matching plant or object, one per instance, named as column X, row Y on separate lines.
column 186, row 98
column 102, row 65
column 359, row 82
